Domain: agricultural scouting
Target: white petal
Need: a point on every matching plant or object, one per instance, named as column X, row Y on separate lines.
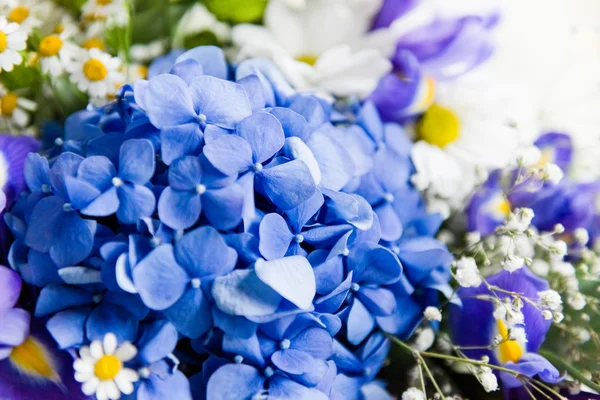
column 126, row 352
column 101, row 393
column 124, row 384
column 96, row 349
column 84, row 376
column 296, row 149
column 90, row 387
column 81, row 365
column 85, row 354
column 110, row 343
column 112, row 390
column 20, row 117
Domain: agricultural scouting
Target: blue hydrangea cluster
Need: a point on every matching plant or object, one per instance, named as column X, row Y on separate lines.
column 248, row 240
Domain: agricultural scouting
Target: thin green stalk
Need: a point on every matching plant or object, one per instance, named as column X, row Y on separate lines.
column 430, row 375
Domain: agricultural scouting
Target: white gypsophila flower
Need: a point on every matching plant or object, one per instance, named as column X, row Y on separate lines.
column 101, row 368
column 582, row 334
column 15, row 110
column 557, row 317
column 528, row 156
column 540, row 267
column 413, row 394
column 488, row 381
column 512, row 263
column 500, row 312
column 520, row 219
column 514, row 317
column 518, row 334
column 432, row 314
column 339, row 57
column 96, row 73
column 552, row 173
column 558, row 248
column 563, row 268
column 12, row 40
column 549, row 299
column 559, row 228
column 576, row 301
column 547, row 315
column 467, row 273
column 424, row 339
column 581, row 235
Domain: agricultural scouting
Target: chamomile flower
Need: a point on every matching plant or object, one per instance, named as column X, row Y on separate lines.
column 101, row 368
column 29, row 14
column 14, row 109
column 96, row 73
column 57, row 54
column 11, row 42
column 100, row 9
column 321, row 46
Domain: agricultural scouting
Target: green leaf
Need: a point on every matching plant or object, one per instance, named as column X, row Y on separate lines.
column 237, row 11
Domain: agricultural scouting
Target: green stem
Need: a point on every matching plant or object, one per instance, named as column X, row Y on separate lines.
column 430, row 375
column 574, row 372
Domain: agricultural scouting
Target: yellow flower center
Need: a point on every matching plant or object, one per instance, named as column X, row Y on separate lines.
column 503, row 207
column 107, row 368
column 547, row 157
column 104, row 2
column 310, row 59
column 8, row 103
column 59, row 28
column 18, row 14
column 32, row 359
column 93, row 43
column 143, row 71
column 3, row 41
column 50, row 46
column 508, row 350
column 94, row 70
column 439, row 126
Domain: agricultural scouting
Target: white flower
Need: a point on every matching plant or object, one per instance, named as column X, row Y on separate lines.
column 57, row 54
column 552, row 173
column 547, row 315
column 488, row 381
column 14, row 109
column 581, row 235
column 413, row 394
column 100, row 9
column 321, row 46
column 529, row 156
column 515, row 317
column 467, row 273
column 96, row 73
column 549, row 299
column 433, row 314
column 512, row 263
column 558, row 317
column 559, row 248
column 540, row 267
column 520, row 220
column 198, row 19
column 563, row 268
column 11, row 42
column 582, row 334
column 424, row 339
column 576, row 301
column 100, row 368
column 28, row 14
column 142, row 53
column 500, row 312
column 518, row 334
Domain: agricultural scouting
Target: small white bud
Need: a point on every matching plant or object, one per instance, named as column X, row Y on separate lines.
column 467, row 273
column 529, row 156
column 552, row 173
column 488, row 381
column 540, row 267
column 549, row 299
column 581, row 235
column 518, row 334
column 512, row 263
column 547, row 314
column 559, row 228
column 433, row 314
column 413, row 394
column 558, row 317
column 576, row 301
column 559, row 248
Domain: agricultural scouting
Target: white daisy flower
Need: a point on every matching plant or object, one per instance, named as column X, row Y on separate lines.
column 101, row 368
column 96, row 73
column 321, row 46
column 100, row 9
column 57, row 54
column 11, row 42
column 29, row 14
column 14, row 109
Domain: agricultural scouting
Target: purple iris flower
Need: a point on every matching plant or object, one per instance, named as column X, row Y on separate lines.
column 525, row 361
column 488, row 207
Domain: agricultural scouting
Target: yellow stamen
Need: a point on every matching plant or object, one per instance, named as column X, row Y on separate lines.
column 18, row 14
column 143, row 71
column 508, row 350
column 3, row 41
column 310, row 59
column 94, row 70
column 107, row 368
column 32, row 359
column 93, row 43
column 103, row 2
column 8, row 103
column 503, row 206
column 50, row 46
column 439, row 126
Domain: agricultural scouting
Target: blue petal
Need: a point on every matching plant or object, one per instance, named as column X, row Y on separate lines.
column 374, row 264
column 311, row 110
column 55, row 298
column 391, row 226
column 235, row 326
column 242, row 293
column 158, row 278
column 291, row 277
column 211, row 58
column 105, row 204
column 336, row 164
column 379, row 301
column 14, row 327
column 235, row 381
column 530, row 365
column 97, row 171
column 67, row 327
column 107, row 145
column 314, row 341
column 281, row 387
column 223, row 207
column 293, row 361
column 264, row 134
column 301, row 214
column 254, row 90
column 287, row 185
column 158, row 339
column 136, row 201
column 176, row 386
column 187, row 70
column 179, row 210
column 360, row 322
column 168, row 101
column 180, row 140
column 294, row 124
column 275, row 236
column 203, row 253
column 229, row 154
column 185, row 173
column 80, row 275
column 65, row 165
column 80, row 192
column 36, row 172
column 10, row 287
column 223, row 103
column 191, row 314
column 108, row 318
column 136, row 161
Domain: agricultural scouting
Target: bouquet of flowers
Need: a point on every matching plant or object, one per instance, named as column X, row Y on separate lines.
column 298, row 199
